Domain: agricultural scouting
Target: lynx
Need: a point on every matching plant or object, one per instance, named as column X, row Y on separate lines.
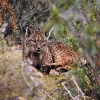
column 43, row 54
column 36, row 48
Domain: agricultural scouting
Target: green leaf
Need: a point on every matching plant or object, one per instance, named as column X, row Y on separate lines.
column 91, row 47
column 64, row 5
column 56, row 30
column 89, row 30
column 48, row 25
column 55, row 11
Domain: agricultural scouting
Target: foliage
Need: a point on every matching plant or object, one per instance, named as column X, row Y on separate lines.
column 80, row 77
column 81, row 20
column 75, row 23
column 17, row 15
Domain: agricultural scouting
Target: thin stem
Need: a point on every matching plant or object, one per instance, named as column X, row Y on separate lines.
column 68, row 91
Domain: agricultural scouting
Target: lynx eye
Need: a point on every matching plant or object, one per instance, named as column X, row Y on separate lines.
column 44, row 43
column 32, row 42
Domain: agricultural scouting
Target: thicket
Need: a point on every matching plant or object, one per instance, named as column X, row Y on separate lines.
column 75, row 22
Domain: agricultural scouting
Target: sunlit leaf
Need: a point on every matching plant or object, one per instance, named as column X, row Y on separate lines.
column 55, row 11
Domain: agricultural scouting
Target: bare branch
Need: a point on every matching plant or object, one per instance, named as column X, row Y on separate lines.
column 50, row 32
column 49, row 96
column 68, row 91
column 32, row 12
column 78, row 88
column 20, row 13
column 31, row 23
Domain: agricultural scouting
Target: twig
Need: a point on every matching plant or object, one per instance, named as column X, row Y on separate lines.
column 48, row 20
column 79, row 89
column 50, row 32
column 40, row 15
column 49, row 96
column 68, row 91
column 23, row 39
column 20, row 13
column 32, row 13
column 88, row 75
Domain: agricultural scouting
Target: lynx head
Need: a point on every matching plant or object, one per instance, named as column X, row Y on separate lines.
column 36, row 41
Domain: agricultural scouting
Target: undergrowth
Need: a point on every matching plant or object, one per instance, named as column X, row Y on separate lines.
column 14, row 86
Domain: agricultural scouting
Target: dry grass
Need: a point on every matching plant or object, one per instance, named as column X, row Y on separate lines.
column 9, row 61
column 12, row 80
column 14, row 87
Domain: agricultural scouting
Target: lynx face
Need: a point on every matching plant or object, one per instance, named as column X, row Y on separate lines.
column 35, row 42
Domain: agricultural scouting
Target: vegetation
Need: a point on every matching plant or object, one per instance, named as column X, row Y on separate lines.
column 74, row 22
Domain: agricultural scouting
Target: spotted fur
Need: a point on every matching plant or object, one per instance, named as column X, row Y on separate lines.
column 63, row 56
column 47, row 55
column 36, row 48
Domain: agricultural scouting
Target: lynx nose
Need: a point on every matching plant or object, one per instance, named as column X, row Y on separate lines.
column 38, row 48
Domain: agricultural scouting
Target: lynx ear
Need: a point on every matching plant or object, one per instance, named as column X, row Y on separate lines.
column 39, row 29
column 48, row 34
column 29, row 31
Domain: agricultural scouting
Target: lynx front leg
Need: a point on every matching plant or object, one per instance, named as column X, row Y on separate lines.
column 53, row 64
column 63, row 69
column 47, row 67
column 68, row 67
column 35, row 71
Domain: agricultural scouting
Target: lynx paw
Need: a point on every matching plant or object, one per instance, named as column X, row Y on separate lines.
column 53, row 73
column 39, row 74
